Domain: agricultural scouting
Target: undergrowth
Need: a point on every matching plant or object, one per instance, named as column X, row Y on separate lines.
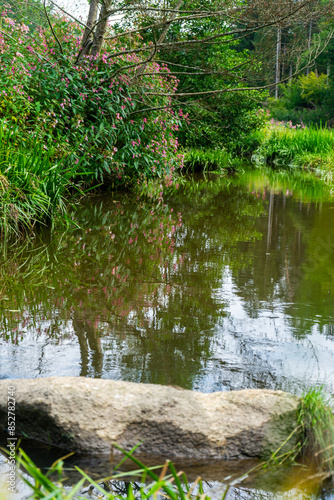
column 34, row 182
column 203, row 160
column 287, row 147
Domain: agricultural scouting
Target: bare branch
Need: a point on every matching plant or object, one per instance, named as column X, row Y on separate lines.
column 241, row 89
column 161, row 38
column 51, row 28
column 68, row 14
column 208, row 40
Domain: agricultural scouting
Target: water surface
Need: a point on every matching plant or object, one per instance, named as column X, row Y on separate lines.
column 228, row 284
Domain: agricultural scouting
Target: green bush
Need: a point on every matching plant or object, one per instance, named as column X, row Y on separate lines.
column 202, row 160
column 303, row 101
column 223, row 122
column 88, row 109
column 308, row 117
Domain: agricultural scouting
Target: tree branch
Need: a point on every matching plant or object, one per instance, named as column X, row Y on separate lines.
column 51, row 28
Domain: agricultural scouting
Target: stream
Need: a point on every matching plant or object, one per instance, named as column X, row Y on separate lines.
column 227, row 284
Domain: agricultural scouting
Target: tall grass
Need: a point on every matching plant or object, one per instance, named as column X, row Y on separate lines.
column 204, row 160
column 34, row 183
column 275, row 145
column 290, row 147
column 316, row 420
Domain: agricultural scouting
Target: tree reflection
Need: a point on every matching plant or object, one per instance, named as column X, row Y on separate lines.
column 90, row 346
column 136, row 283
column 143, row 289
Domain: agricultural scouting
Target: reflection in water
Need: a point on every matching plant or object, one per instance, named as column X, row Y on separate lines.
column 90, row 345
column 227, row 286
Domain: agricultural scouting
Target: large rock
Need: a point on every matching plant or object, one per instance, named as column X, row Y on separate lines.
column 89, row 415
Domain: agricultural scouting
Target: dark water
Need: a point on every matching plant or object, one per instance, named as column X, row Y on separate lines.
column 228, row 285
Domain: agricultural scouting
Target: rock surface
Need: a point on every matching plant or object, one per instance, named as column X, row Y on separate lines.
column 89, row 415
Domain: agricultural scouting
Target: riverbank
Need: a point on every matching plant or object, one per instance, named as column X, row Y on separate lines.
column 277, row 145
column 37, row 178
column 35, row 185
column 284, row 146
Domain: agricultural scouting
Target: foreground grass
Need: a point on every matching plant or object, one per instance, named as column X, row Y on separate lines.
column 316, row 420
column 146, row 483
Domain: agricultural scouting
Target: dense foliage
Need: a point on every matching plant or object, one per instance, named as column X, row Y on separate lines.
column 209, row 77
column 305, row 101
column 111, row 112
column 87, row 110
column 65, row 124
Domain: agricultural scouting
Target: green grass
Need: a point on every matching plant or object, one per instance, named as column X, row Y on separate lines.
column 277, row 146
column 143, row 483
column 308, row 148
column 34, row 183
column 316, row 420
column 204, row 160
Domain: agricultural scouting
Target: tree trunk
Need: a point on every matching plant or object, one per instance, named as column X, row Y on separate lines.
column 278, row 59
column 309, row 44
column 101, row 28
column 88, row 34
column 283, row 61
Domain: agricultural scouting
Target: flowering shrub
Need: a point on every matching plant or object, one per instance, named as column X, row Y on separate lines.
column 91, row 110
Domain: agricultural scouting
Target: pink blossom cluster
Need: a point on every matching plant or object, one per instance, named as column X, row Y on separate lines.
column 92, row 105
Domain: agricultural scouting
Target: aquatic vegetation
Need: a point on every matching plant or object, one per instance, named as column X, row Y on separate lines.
column 316, row 420
column 142, row 483
column 89, row 108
